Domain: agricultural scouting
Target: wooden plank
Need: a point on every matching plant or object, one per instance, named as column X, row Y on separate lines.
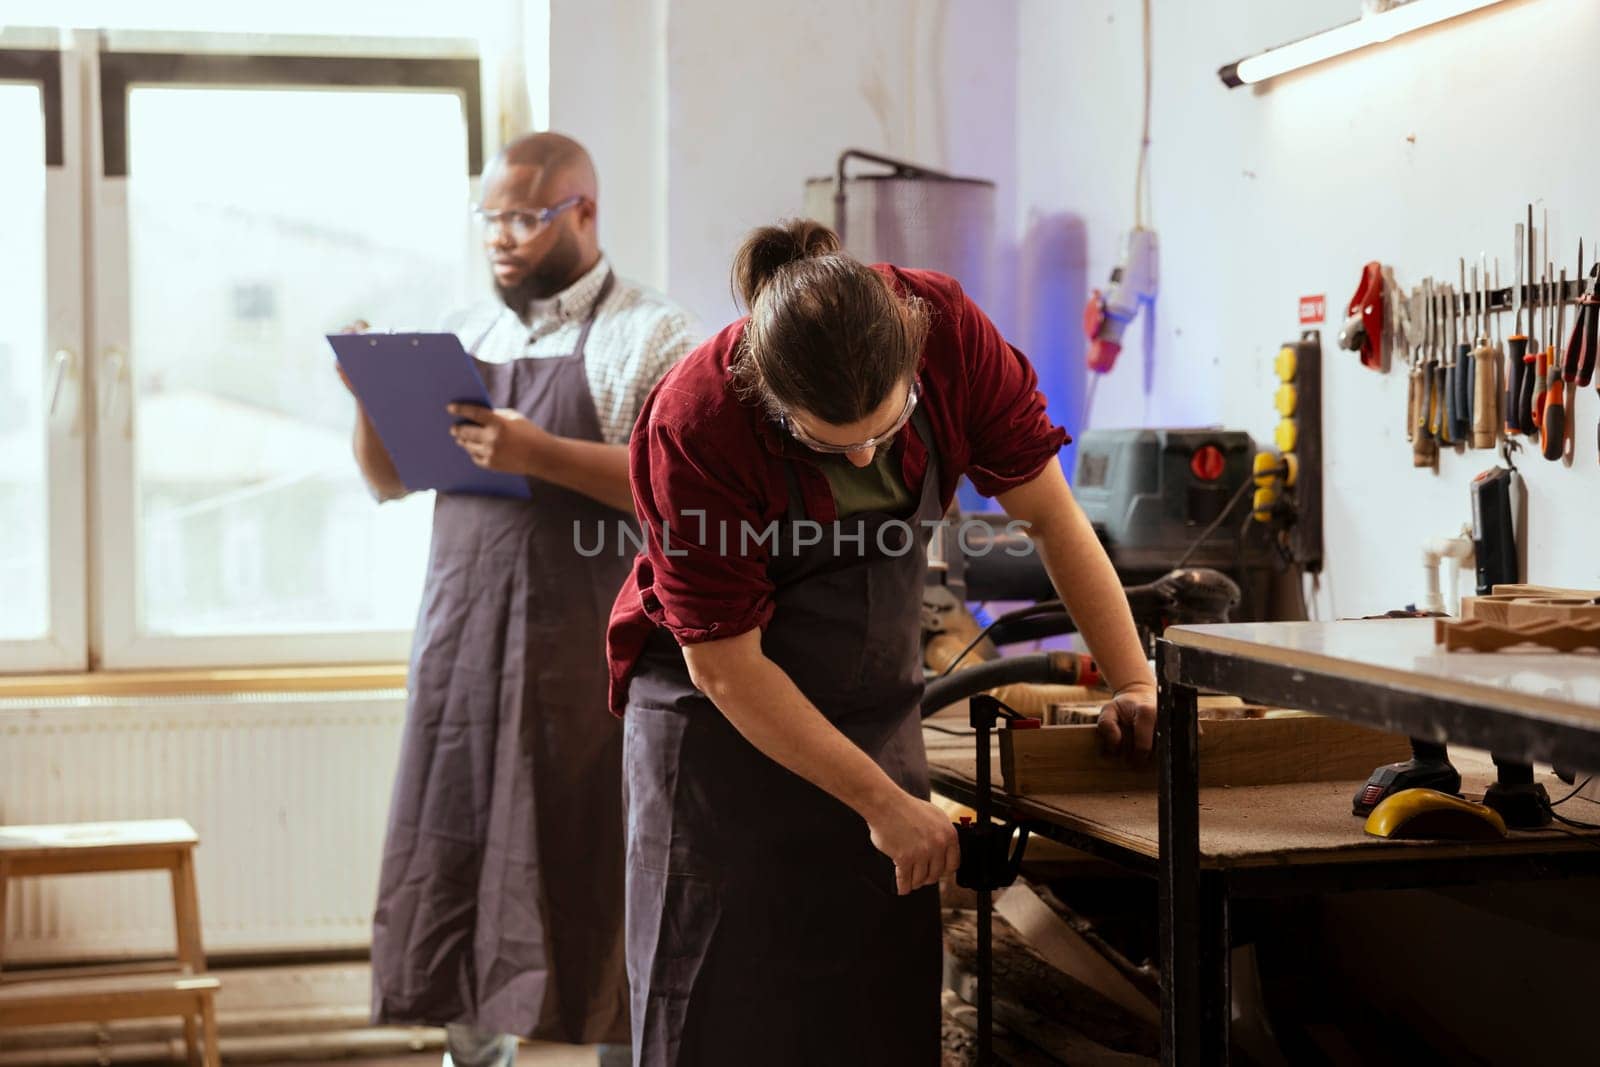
column 1233, row 752
column 1065, row 949
column 98, row 861
column 186, row 913
column 96, row 970
column 21, row 842
column 103, row 999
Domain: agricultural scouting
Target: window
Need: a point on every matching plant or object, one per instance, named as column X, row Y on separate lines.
column 244, row 197
column 24, row 610
column 42, row 499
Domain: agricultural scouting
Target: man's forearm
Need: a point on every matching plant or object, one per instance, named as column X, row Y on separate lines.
column 376, row 465
column 1082, row 574
column 593, row 468
column 1093, row 594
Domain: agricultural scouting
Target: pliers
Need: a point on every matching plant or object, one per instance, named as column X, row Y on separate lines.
column 1579, row 365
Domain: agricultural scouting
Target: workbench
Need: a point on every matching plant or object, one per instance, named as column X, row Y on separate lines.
column 1208, row 848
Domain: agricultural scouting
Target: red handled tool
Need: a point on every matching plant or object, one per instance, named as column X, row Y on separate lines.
column 1516, row 348
column 1578, row 367
column 1553, row 427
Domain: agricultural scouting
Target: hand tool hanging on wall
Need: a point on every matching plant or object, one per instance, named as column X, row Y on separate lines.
column 1541, row 363
column 1516, row 348
column 1453, row 421
column 1553, row 432
column 1462, row 430
column 1485, row 364
column 1431, row 370
column 1579, row 363
column 1541, row 373
column 1437, row 423
column 1411, row 394
column 1424, row 448
column 1530, row 361
column 1530, row 354
column 1363, row 327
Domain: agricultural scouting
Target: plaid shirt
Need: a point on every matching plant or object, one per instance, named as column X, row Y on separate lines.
column 638, row 335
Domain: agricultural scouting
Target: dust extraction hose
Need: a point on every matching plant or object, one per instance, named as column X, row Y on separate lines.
column 1056, row 668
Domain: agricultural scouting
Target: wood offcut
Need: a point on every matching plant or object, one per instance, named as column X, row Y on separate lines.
column 1233, row 752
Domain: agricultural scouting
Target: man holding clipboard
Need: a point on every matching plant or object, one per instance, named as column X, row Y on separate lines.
column 500, row 908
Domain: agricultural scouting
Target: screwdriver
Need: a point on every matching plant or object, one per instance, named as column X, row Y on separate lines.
column 1450, row 418
column 1529, row 367
column 1531, row 357
column 1435, row 373
column 1541, row 376
column 1462, row 430
column 1585, row 337
column 1424, row 449
column 1553, row 430
column 1411, row 371
column 1485, row 419
column 1517, row 347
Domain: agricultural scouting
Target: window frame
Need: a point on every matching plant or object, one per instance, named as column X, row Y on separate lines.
column 121, row 63
column 64, row 645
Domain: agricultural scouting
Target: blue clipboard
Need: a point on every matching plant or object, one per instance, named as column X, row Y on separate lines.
column 404, row 381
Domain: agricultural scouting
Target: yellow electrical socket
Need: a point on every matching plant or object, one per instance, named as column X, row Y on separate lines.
column 1287, row 363
column 1265, row 498
column 1265, row 469
column 1286, row 435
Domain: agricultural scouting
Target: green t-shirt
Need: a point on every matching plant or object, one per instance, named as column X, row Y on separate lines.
column 878, row 486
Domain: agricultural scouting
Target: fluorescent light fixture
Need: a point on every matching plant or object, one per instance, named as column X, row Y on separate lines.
column 1370, row 30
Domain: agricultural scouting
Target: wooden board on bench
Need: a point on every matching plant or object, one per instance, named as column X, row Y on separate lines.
column 1287, row 748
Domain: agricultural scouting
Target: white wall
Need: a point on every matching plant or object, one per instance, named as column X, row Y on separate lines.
column 1400, row 154
column 763, row 96
column 607, row 78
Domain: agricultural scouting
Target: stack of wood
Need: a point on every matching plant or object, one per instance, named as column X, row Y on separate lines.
column 1061, row 995
column 1566, row 620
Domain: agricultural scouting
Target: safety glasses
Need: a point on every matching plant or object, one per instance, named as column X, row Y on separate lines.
column 812, row 443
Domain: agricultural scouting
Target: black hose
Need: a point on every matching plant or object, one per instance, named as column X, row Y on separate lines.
column 1059, row 668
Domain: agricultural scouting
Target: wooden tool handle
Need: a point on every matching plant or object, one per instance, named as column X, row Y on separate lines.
column 1485, row 398
column 1411, row 406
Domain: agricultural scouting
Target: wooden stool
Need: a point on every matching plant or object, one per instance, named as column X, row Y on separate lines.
column 103, row 994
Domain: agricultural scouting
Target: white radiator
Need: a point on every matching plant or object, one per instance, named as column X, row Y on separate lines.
column 289, row 793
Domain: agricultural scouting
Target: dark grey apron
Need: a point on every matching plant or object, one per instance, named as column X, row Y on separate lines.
column 500, row 898
column 763, row 927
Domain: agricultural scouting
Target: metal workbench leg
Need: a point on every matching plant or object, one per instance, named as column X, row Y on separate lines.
column 1215, row 972
column 1183, row 979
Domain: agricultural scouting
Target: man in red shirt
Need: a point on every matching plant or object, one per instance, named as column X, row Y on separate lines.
column 782, row 852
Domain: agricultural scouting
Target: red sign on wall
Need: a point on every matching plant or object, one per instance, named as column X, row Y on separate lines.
column 1313, row 309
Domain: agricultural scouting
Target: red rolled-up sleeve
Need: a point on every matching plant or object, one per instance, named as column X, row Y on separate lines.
column 704, row 576
column 1008, row 428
